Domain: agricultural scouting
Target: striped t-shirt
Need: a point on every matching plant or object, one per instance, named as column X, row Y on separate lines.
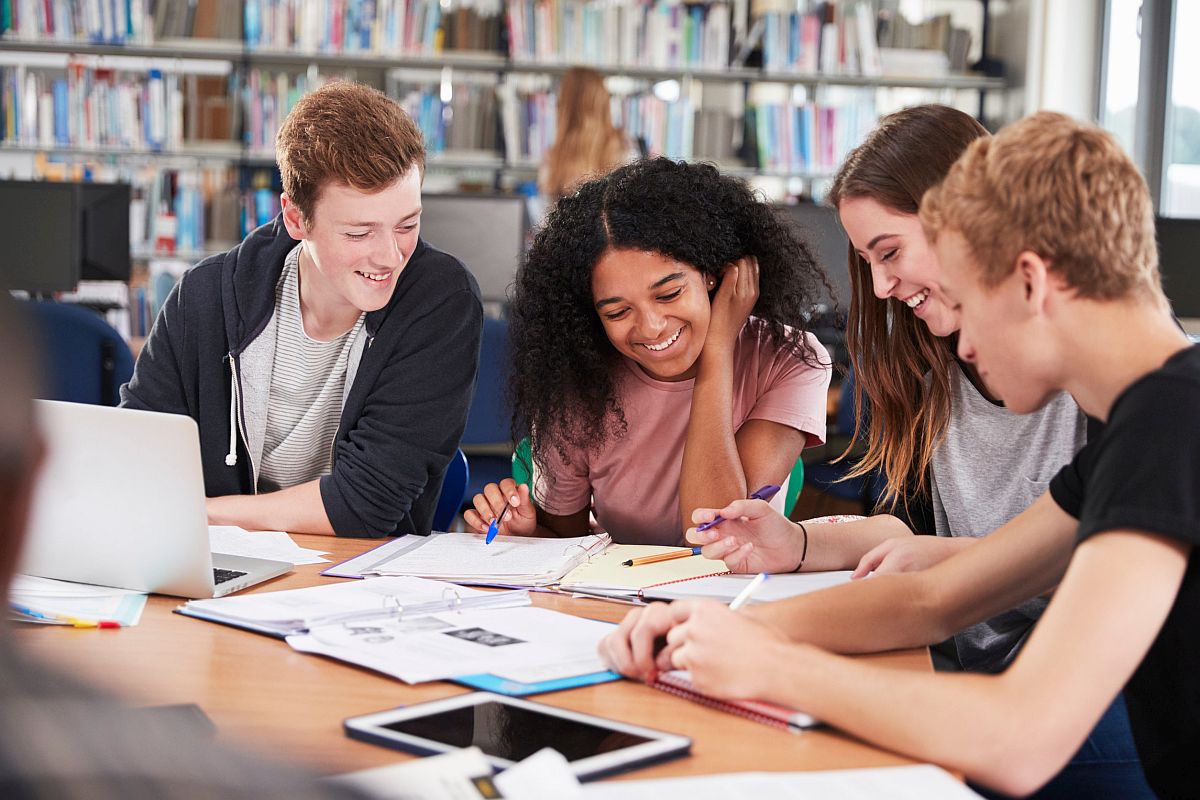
column 307, row 382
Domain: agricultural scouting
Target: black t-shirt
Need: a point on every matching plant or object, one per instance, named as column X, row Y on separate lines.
column 1143, row 474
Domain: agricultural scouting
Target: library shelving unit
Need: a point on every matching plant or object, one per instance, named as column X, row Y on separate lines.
column 190, row 121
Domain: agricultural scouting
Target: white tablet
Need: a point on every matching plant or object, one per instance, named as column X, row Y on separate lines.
column 509, row 729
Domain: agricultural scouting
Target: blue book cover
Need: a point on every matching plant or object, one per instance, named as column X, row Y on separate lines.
column 62, row 106
column 494, row 683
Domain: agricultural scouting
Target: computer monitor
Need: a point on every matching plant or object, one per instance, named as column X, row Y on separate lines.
column 1179, row 260
column 57, row 233
column 39, row 225
column 105, row 212
column 486, row 232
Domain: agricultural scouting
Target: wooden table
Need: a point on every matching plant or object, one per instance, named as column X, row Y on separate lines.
column 263, row 695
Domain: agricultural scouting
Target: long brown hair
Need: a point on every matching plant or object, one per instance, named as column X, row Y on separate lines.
column 903, row 370
column 586, row 144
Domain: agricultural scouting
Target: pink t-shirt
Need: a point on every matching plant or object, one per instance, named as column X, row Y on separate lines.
column 632, row 481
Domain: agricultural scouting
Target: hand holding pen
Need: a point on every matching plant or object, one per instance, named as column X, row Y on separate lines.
column 504, row 508
column 748, row 536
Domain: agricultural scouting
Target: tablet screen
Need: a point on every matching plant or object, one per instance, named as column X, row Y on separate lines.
column 514, row 733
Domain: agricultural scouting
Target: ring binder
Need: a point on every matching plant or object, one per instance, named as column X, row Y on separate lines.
column 347, row 606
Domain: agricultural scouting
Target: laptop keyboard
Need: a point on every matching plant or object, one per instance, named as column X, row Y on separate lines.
column 222, row 575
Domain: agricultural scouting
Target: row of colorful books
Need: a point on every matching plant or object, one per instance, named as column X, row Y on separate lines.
column 101, row 21
column 826, row 38
column 92, row 107
column 458, row 117
column 649, row 34
column 373, row 26
column 806, row 138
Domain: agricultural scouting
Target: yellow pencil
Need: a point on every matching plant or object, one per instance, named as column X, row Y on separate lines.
column 637, row 562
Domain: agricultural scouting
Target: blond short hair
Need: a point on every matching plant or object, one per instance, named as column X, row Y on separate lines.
column 346, row 133
column 1057, row 187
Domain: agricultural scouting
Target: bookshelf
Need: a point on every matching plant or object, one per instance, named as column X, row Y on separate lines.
column 478, row 75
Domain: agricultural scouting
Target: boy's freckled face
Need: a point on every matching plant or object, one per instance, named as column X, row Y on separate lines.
column 997, row 332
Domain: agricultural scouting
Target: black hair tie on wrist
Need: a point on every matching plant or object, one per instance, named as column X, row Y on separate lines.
column 804, row 549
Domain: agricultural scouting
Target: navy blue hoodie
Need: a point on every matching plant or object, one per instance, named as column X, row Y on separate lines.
column 404, row 412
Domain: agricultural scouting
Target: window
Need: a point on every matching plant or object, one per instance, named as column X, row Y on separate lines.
column 1122, row 66
column 1181, row 148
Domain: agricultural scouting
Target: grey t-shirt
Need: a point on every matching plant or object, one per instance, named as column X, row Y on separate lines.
column 991, row 466
column 308, row 381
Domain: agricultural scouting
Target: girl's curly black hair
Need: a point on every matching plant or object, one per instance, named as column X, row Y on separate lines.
column 561, row 380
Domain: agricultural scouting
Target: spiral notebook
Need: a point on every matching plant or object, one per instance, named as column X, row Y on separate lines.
column 679, row 683
column 605, row 575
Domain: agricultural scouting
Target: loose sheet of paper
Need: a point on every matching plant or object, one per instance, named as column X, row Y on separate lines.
column 461, row 775
column 275, row 545
column 516, row 642
column 918, row 782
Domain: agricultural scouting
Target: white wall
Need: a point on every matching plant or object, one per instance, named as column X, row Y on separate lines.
column 1052, row 49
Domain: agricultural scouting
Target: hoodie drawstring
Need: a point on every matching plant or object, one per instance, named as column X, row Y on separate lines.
column 231, row 457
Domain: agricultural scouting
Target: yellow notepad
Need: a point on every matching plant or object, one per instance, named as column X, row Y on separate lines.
column 604, row 574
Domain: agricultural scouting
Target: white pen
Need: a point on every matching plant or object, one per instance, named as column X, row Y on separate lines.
column 745, row 594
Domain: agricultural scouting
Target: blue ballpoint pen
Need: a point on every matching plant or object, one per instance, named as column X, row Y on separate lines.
column 494, row 528
column 765, row 493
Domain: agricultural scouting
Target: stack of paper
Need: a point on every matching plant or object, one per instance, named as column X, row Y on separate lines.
column 607, row 576
column 273, row 545
column 465, row 558
column 295, row 611
column 512, row 645
column 51, row 602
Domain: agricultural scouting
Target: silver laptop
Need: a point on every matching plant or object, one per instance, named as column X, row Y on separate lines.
column 120, row 502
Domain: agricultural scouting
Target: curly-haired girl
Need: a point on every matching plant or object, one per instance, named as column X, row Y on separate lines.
column 660, row 356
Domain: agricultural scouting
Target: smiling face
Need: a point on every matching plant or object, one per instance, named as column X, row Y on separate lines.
column 903, row 265
column 654, row 309
column 356, row 244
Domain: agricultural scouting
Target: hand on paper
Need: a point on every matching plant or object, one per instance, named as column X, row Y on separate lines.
column 637, row 648
column 729, row 654
column 521, row 519
column 909, row 554
column 735, row 299
column 753, row 538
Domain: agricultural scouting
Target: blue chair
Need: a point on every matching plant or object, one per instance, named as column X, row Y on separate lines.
column 454, row 491
column 87, row 361
column 486, row 440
